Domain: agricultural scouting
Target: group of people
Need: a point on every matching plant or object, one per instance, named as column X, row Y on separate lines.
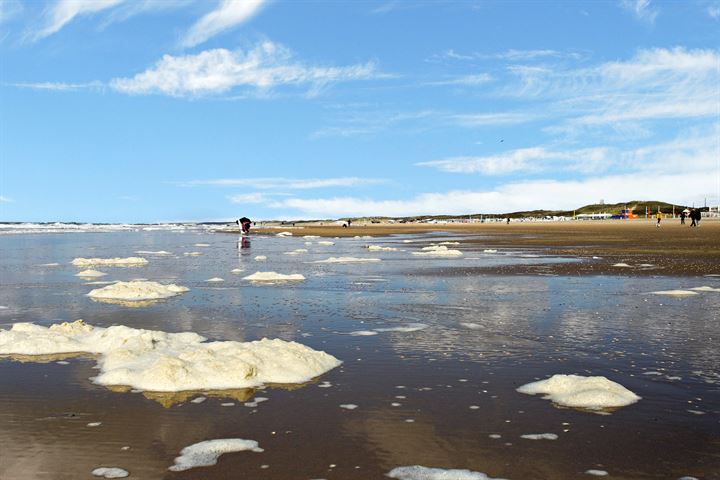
column 694, row 214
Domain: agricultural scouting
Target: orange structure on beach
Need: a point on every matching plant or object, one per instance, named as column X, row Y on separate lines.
column 626, row 214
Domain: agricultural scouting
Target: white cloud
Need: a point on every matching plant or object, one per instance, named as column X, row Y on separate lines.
column 642, row 9
column 472, row 120
column 525, row 160
column 219, row 70
column 248, row 198
column 58, row 86
column 714, row 11
column 9, row 9
column 63, row 11
column 228, row 14
column 467, row 80
column 516, row 196
column 269, row 183
column 4, row 199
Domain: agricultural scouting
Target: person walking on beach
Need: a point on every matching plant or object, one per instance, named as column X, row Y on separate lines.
column 698, row 217
column 244, row 224
column 659, row 217
column 692, row 217
column 682, row 217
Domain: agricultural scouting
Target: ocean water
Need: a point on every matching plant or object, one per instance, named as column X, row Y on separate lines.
column 440, row 395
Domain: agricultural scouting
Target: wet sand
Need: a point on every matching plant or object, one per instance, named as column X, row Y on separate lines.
column 673, row 248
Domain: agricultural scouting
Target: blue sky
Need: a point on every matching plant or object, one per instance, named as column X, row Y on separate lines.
column 179, row 110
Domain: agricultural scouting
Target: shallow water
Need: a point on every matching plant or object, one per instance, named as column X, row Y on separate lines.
column 454, row 380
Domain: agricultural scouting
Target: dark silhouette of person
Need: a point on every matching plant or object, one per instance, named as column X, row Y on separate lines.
column 244, row 224
column 692, row 217
column 682, row 217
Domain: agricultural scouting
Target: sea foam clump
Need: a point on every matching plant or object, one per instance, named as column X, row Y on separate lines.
column 348, row 260
column 439, row 251
column 593, row 393
column 113, row 262
column 675, row 293
column 90, row 273
column 170, row 362
column 378, row 248
column 417, row 472
column 136, row 290
column 110, row 472
column 205, row 454
column 274, row 277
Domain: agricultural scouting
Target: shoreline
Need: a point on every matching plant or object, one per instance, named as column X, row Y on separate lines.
column 673, row 249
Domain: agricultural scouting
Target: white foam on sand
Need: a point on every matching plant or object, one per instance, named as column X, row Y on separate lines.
column 378, row 248
column 325, row 242
column 137, row 291
column 675, row 293
column 410, row 327
column 438, row 251
column 539, row 436
column 705, row 288
column 417, row 472
column 274, row 277
column 205, row 454
column 115, row 262
column 260, row 258
column 348, row 260
column 594, row 393
column 150, row 252
column 215, row 279
column 169, row 362
column 110, row 472
column 90, row 273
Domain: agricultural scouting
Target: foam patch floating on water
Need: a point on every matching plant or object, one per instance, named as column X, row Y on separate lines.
column 297, row 251
column 260, row 258
column 90, row 274
column 325, row 242
column 115, row 262
column 201, row 245
column 621, row 265
column 597, row 473
column 489, row 250
column 675, row 293
column 215, row 280
column 237, row 270
column 274, row 277
column 110, row 472
column 150, row 252
column 192, row 254
column 284, row 234
column 205, row 454
column 158, row 361
column 539, row 436
column 137, row 291
column 705, row 289
column 348, row 260
column 592, row 393
column 363, row 333
column 410, row 327
column 439, row 251
column 417, row 472
column 378, row 248
column 311, row 236
column 348, row 406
